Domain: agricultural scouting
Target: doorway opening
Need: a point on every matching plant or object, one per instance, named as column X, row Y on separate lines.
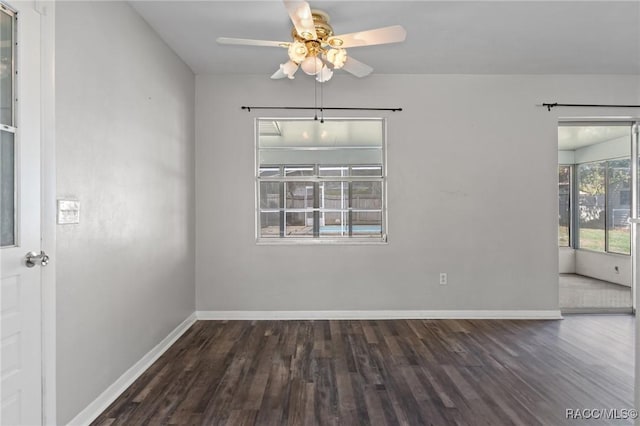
column 595, row 202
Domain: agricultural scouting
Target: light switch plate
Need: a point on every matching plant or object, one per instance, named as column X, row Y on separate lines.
column 68, row 212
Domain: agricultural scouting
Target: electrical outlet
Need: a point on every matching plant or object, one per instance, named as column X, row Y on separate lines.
column 443, row 278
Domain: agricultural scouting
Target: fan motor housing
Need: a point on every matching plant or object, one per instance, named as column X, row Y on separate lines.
column 322, row 27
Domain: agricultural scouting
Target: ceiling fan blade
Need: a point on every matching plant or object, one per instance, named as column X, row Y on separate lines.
column 393, row 34
column 300, row 14
column 249, row 42
column 357, row 68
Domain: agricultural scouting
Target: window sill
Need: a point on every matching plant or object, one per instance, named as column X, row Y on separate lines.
column 320, row 242
column 611, row 253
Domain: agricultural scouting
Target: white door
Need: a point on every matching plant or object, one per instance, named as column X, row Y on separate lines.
column 20, row 319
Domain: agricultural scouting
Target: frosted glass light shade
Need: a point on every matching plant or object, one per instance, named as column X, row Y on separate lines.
column 289, row 69
column 325, row 74
column 312, row 65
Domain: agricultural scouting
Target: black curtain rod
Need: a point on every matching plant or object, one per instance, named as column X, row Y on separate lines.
column 555, row 104
column 249, row 108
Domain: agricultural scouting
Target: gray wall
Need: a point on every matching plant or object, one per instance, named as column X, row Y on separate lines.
column 602, row 266
column 125, row 149
column 472, row 191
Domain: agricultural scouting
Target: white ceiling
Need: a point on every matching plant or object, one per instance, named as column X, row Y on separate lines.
column 448, row 37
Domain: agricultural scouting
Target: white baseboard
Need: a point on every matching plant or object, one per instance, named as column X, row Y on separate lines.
column 372, row 315
column 94, row 409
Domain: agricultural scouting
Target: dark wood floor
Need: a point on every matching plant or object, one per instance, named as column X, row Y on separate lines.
column 418, row 372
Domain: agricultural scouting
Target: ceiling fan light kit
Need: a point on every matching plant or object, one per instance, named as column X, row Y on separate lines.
column 316, row 49
column 297, row 52
column 289, row 69
column 311, row 65
column 325, row 74
column 337, row 57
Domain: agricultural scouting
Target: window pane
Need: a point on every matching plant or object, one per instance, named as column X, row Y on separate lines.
column 366, row 171
column 334, row 205
column 298, row 224
column 299, row 195
column 334, row 195
column 6, row 69
column 298, row 171
column 270, row 224
column 7, row 189
column 619, row 206
column 270, row 195
column 366, row 195
column 336, row 141
column 269, row 171
column 366, row 214
column 334, row 171
column 334, row 223
column 564, row 198
column 367, row 223
column 591, row 202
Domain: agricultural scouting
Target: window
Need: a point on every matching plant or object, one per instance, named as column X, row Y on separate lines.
column 7, row 128
column 320, row 181
column 564, row 206
column 591, row 187
column 618, row 206
column 604, row 206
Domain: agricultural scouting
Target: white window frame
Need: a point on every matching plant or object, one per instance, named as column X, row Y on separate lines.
column 317, row 179
column 572, row 169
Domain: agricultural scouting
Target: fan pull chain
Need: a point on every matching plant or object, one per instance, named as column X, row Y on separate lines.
column 315, row 99
column 321, row 103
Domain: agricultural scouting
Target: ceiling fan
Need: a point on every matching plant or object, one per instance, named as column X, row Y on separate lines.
column 316, row 49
